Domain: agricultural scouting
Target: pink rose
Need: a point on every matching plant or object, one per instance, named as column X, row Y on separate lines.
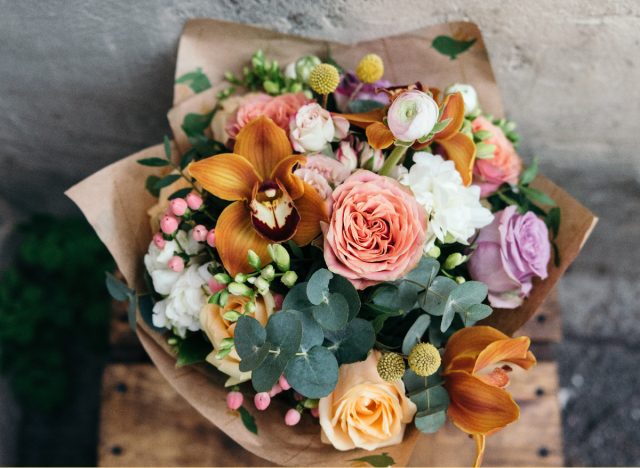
column 323, row 173
column 280, row 109
column 313, row 128
column 510, row 252
column 376, row 231
column 505, row 166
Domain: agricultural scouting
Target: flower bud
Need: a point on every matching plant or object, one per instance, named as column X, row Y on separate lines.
column 211, row 238
column 176, row 264
column 239, row 289
column 262, row 286
column 347, row 155
column 469, row 95
column 292, row 417
column 240, row 278
column 234, row 400
column 370, row 158
column 434, row 252
column 262, row 401
column 289, row 278
column 304, row 66
column 199, row 233
column 278, row 299
column 223, row 298
column 250, row 307
column 215, row 286
column 268, row 273
column 194, row 201
column 460, row 279
column 169, row 224
column 254, row 260
column 158, row 240
column 280, row 256
column 178, row 206
column 222, row 278
column 454, row 260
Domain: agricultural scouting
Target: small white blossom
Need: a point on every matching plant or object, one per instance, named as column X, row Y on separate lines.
column 455, row 211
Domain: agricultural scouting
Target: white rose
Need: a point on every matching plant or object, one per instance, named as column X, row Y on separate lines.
column 469, row 95
column 412, row 115
column 311, row 129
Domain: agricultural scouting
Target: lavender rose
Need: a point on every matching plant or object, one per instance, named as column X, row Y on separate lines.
column 510, row 252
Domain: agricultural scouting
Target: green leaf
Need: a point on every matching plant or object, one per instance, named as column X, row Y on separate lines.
column 537, row 196
column 431, row 420
column 318, row 286
column 441, row 125
column 166, row 180
column 196, row 124
column 250, row 339
column 415, row 333
column 451, row 47
column 343, row 286
column 167, row 147
column 474, row 313
column 295, row 249
column 433, row 299
column 153, row 162
column 312, row 334
column 552, row 221
column 353, row 343
column 296, row 299
column 196, row 80
column 150, row 185
column 430, row 395
column 460, row 299
column 248, row 420
column 333, row 314
column 193, row 349
column 378, row 315
column 180, row 193
column 314, row 374
column 529, row 174
column 117, row 289
column 381, row 460
column 364, row 105
column 187, row 158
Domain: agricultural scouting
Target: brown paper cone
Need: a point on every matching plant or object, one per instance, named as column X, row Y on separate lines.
column 115, row 202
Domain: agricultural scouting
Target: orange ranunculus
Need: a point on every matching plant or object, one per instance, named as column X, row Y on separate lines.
column 270, row 204
column 475, row 369
column 457, row 146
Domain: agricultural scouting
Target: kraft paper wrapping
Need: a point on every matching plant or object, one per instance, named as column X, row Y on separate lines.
column 115, row 202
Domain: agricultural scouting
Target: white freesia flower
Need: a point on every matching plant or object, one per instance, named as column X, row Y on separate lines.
column 469, row 95
column 180, row 310
column 454, row 210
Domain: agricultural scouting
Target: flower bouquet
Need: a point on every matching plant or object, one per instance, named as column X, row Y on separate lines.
column 332, row 255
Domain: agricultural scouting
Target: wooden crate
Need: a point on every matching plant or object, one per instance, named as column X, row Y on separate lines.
column 144, row 422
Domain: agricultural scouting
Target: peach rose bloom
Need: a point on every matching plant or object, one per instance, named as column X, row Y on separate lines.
column 364, row 411
column 218, row 328
column 281, row 109
column 376, row 231
column 505, row 166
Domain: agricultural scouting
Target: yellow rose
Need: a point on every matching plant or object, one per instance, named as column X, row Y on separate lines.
column 364, row 411
column 218, row 328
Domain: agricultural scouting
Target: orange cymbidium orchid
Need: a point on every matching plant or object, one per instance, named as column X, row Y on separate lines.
column 457, row 146
column 475, row 369
column 270, row 203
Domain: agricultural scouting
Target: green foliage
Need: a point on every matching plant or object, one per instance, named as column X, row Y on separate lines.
column 381, row 460
column 196, row 80
column 431, row 399
column 52, row 297
column 364, row 105
column 192, row 349
column 248, row 420
column 451, row 47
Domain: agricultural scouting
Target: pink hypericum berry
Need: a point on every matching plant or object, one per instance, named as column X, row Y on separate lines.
column 176, row 264
column 214, row 286
column 283, row 381
column 315, row 412
column 178, row 206
column 158, row 240
column 169, row 224
column 292, row 417
column 278, row 299
column 275, row 390
column 199, row 233
column 211, row 238
column 194, row 201
column 262, row 400
column 297, row 396
column 234, row 400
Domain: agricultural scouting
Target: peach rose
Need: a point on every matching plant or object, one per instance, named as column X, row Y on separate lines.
column 280, row 109
column 218, row 328
column 376, row 231
column 505, row 166
column 364, row 411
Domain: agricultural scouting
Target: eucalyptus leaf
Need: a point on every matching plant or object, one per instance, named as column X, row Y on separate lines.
column 431, row 420
column 296, row 299
column 343, row 286
column 364, row 105
column 415, row 333
column 425, row 272
column 433, row 299
column 312, row 334
column 430, row 397
column 117, row 289
column 474, row 313
column 333, row 314
column 318, row 286
column 250, row 338
column 313, row 374
column 354, row 343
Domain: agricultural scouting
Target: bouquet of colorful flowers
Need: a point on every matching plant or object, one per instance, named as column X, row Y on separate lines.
column 333, row 241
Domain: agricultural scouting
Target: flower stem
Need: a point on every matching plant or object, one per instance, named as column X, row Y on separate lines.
column 393, row 159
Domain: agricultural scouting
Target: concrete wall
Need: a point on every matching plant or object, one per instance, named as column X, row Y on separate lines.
column 86, row 82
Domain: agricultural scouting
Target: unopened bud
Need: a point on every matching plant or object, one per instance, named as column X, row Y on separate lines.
column 268, row 273
column 262, row 286
column 254, row 260
column 239, row 289
column 434, row 252
column 222, row 278
column 289, row 278
column 454, row 260
column 280, row 256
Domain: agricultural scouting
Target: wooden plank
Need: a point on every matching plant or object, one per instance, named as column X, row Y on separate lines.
column 534, row 440
column 146, row 423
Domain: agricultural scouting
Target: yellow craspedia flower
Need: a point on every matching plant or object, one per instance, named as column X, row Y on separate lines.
column 370, row 69
column 391, row 367
column 324, row 78
column 424, row 359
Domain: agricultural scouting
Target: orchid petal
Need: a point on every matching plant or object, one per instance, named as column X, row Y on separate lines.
column 469, row 343
column 263, row 144
column 235, row 235
column 283, row 172
column 364, row 119
column 477, row 407
column 453, row 108
column 227, row 176
column 275, row 217
column 379, row 135
column 462, row 151
column 504, row 351
column 313, row 210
